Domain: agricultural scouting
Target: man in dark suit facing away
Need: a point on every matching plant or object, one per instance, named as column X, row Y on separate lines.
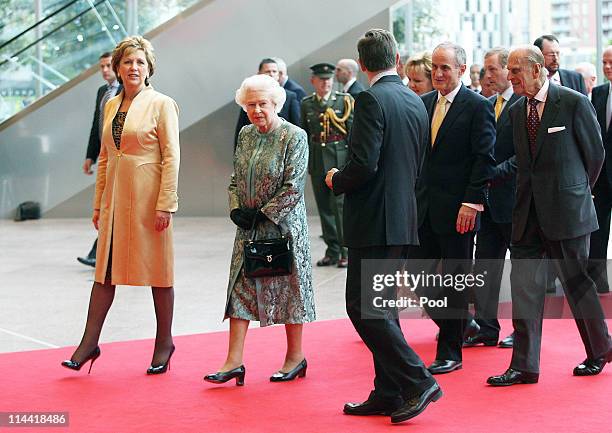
column 559, row 154
column 598, row 253
column 493, row 239
column 386, row 145
column 291, row 108
column 451, row 192
column 105, row 92
column 346, row 74
column 549, row 45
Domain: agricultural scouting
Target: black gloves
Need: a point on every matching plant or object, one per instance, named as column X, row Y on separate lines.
column 244, row 218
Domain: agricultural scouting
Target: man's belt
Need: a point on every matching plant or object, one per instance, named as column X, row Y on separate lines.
column 329, row 139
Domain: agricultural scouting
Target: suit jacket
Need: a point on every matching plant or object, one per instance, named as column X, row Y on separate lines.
column 500, row 199
column 599, row 98
column 386, row 144
column 355, row 89
column 458, row 167
column 290, row 112
column 573, row 80
column 566, row 165
column 93, row 148
column 295, row 88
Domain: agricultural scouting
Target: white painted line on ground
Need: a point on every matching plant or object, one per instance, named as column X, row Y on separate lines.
column 25, row 337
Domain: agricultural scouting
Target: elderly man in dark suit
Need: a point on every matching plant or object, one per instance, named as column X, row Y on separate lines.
column 386, row 145
column 291, row 108
column 559, row 154
column 105, row 92
column 451, row 192
column 549, row 45
column 346, row 74
column 493, row 239
column 602, row 191
column 288, row 83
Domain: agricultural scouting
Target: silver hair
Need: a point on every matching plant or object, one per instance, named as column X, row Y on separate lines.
column 263, row 83
column 460, row 56
column 351, row 65
column 531, row 55
column 502, row 55
column 282, row 66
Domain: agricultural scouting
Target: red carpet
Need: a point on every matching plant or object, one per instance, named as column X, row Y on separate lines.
column 119, row 397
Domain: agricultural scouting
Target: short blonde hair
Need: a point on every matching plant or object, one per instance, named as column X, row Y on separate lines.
column 421, row 62
column 263, row 83
column 128, row 46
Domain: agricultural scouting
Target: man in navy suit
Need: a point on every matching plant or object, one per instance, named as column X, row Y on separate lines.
column 451, row 192
column 559, row 155
column 291, row 108
column 493, row 239
column 549, row 45
column 386, row 145
column 286, row 82
column 346, row 74
column 598, row 253
column 105, row 92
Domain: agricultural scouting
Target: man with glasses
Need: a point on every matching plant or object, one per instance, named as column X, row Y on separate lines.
column 549, row 45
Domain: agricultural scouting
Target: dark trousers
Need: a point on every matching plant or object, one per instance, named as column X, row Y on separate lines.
column 598, row 252
column 450, row 319
column 399, row 372
column 569, row 258
column 330, row 208
column 492, row 242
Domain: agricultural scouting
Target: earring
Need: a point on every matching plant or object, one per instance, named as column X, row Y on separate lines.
column 146, row 81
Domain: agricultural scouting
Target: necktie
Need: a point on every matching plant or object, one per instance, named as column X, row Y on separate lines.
column 533, row 124
column 498, row 106
column 438, row 117
column 107, row 95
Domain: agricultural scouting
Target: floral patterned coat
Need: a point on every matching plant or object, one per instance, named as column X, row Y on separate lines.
column 270, row 174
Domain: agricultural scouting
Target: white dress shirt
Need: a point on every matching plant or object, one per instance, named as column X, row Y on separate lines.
column 348, row 84
column 378, row 76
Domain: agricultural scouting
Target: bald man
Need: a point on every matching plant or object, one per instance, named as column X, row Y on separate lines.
column 346, row 74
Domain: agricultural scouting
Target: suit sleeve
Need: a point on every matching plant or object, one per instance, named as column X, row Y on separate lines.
column 93, row 148
column 365, row 146
column 505, row 170
column 168, row 136
column 294, row 112
column 588, row 136
column 482, row 143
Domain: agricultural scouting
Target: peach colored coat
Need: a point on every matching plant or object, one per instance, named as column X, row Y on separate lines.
column 132, row 183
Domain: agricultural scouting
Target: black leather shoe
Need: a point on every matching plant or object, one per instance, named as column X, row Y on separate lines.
column 592, row 367
column 372, row 406
column 298, row 371
column 471, row 329
column 87, row 261
column 343, row 263
column 513, row 377
column 508, row 342
column 76, row 365
column 327, row 261
column 414, row 406
column 224, row 376
column 441, row 366
column 160, row 369
column 479, row 339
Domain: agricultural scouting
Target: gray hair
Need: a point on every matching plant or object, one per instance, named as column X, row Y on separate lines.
column 502, row 55
column 531, row 55
column 460, row 56
column 263, row 83
column 377, row 50
column 282, row 66
column 586, row 69
column 350, row 64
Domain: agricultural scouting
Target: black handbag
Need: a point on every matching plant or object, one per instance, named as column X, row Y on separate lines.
column 28, row 210
column 267, row 257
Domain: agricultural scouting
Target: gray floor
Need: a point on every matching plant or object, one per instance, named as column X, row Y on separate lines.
column 44, row 291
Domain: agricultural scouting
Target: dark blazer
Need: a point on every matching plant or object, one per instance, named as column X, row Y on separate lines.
column 573, row 80
column 295, row 88
column 500, row 199
column 93, row 148
column 386, row 144
column 566, row 165
column 355, row 89
column 458, row 167
column 290, row 112
column 599, row 98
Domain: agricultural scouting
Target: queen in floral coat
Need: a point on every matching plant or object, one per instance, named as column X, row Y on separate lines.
column 267, row 190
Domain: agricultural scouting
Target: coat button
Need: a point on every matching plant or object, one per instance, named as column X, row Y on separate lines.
column 322, row 144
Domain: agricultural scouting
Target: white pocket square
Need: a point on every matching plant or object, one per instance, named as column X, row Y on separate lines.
column 555, row 129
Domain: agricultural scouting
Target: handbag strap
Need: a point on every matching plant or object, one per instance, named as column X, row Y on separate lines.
column 254, row 229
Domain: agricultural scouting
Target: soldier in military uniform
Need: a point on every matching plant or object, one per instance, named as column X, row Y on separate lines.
column 327, row 117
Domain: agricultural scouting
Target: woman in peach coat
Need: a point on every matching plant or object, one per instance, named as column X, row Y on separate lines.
column 134, row 201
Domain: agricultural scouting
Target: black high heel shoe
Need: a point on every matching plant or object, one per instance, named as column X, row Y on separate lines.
column 224, row 376
column 298, row 371
column 75, row 365
column 160, row 369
